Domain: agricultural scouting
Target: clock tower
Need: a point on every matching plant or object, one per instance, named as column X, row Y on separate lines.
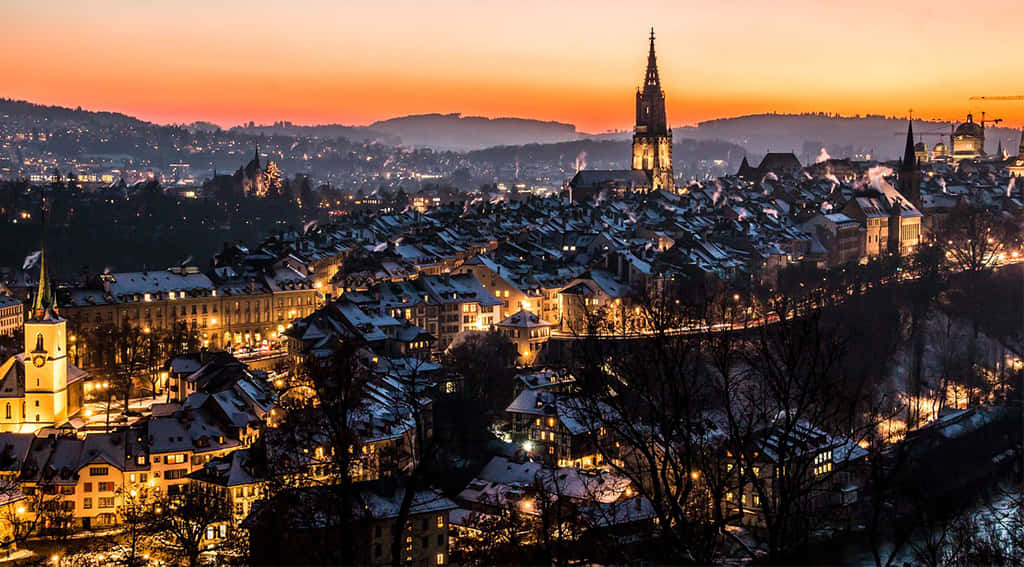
column 46, row 362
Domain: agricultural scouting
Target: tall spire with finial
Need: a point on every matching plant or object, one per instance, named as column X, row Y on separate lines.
column 44, row 304
column 650, row 100
column 652, row 139
column 651, row 79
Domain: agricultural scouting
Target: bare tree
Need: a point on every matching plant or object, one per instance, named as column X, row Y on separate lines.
column 183, row 521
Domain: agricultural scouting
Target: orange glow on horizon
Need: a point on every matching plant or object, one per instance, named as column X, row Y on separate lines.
column 327, row 62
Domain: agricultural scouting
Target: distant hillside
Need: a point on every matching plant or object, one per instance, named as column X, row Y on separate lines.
column 457, row 132
column 356, row 133
column 54, row 115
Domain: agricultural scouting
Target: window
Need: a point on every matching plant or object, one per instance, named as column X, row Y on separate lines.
column 440, row 559
column 175, row 474
column 98, row 471
column 87, row 503
column 87, row 487
column 106, row 487
column 440, row 520
column 8, row 410
column 106, row 502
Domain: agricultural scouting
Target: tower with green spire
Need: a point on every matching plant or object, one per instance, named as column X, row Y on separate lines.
column 46, row 362
column 44, row 304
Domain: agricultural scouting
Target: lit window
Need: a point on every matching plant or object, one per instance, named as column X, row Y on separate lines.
column 440, row 559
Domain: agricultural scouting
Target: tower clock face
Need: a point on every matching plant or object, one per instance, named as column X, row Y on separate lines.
column 39, row 360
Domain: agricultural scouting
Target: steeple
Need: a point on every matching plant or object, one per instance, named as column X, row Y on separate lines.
column 650, row 100
column 908, row 152
column 651, row 80
column 44, row 304
column 1020, row 150
column 909, row 172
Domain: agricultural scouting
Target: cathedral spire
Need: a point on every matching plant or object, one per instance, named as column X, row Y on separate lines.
column 44, row 304
column 651, row 79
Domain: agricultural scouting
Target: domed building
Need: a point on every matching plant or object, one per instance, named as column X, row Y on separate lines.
column 939, row 151
column 969, row 140
column 921, row 152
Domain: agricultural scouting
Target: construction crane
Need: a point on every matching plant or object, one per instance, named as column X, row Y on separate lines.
column 916, row 134
column 992, row 120
column 1015, row 97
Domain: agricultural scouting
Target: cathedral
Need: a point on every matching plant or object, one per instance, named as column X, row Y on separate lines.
column 651, row 164
column 652, row 138
column 40, row 387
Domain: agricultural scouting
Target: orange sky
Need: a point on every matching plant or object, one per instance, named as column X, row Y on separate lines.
column 356, row 61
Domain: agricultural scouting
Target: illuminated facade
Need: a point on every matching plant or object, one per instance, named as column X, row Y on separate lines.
column 969, row 140
column 652, row 139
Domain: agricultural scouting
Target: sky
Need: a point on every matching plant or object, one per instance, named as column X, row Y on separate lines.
column 358, row 61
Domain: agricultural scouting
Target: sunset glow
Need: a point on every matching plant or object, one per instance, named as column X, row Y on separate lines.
column 578, row 62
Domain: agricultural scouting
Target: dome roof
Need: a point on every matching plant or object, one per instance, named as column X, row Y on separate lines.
column 920, row 147
column 970, row 128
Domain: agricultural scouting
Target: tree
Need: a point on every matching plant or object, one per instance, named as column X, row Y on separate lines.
column 975, row 237
column 183, row 520
column 139, row 519
column 317, row 444
column 271, row 179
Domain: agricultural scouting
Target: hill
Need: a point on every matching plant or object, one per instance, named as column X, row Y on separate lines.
column 457, row 132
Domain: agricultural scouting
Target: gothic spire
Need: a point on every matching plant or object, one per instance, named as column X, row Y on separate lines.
column 44, row 304
column 908, row 152
column 651, row 80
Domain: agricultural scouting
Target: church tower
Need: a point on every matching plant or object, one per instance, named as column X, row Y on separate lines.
column 652, row 139
column 909, row 175
column 46, row 363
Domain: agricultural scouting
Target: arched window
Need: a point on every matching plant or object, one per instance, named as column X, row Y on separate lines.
column 39, row 342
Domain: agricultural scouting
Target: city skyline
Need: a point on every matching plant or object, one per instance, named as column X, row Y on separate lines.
column 566, row 63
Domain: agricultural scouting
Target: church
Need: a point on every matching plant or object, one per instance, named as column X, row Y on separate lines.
column 652, row 147
column 40, row 387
